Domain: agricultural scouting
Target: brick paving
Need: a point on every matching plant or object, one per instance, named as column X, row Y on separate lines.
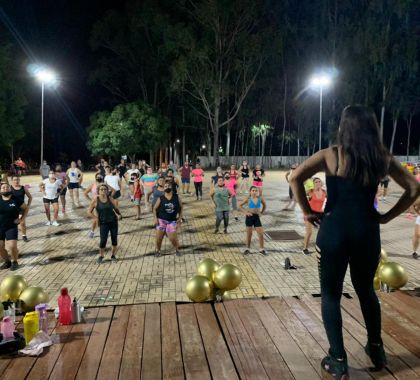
column 65, row 256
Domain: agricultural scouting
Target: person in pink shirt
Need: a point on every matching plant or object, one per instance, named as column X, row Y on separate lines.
column 230, row 184
column 198, row 175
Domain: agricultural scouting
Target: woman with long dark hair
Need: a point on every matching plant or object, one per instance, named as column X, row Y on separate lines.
column 349, row 231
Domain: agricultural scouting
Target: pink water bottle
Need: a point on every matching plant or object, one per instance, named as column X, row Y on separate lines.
column 7, row 328
column 64, row 307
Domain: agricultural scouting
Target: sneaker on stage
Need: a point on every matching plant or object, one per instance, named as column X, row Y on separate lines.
column 55, row 223
column 48, row 223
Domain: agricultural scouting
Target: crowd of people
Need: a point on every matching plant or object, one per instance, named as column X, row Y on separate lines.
column 345, row 210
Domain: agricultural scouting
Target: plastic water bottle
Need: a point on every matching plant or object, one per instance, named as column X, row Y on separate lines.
column 10, row 310
column 30, row 325
column 64, row 306
column 43, row 317
column 7, row 328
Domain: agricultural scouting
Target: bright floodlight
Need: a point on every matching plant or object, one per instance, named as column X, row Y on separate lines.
column 322, row 80
column 203, row 147
column 45, row 76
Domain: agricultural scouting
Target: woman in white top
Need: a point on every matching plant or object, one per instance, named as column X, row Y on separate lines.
column 130, row 178
column 51, row 188
column 74, row 179
column 112, row 179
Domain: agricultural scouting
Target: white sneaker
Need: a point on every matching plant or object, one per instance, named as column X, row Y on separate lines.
column 55, row 223
column 48, row 223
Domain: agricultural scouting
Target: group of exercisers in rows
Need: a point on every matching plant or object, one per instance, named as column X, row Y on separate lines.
column 158, row 190
column 348, row 236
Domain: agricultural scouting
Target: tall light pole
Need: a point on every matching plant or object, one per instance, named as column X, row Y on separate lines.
column 46, row 77
column 320, row 81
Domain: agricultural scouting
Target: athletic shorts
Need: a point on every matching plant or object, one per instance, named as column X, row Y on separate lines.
column 73, row 185
column 185, row 180
column 117, row 194
column 253, row 221
column 136, row 201
column 245, row 176
column 418, row 220
column 385, row 183
column 257, row 183
column 166, row 226
column 50, row 201
column 8, row 233
column 63, row 192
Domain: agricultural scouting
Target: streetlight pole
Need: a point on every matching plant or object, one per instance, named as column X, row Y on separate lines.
column 320, row 116
column 42, row 122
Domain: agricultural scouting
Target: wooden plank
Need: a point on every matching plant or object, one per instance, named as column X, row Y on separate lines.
column 133, row 346
column 293, row 356
column 172, row 365
column 109, row 367
column 269, row 355
column 230, row 337
column 151, row 367
column 5, row 360
column 392, row 346
column 91, row 360
column 20, row 366
column 71, row 355
column 353, row 331
column 218, row 356
column 251, row 363
column 195, row 362
column 403, row 304
column 303, row 338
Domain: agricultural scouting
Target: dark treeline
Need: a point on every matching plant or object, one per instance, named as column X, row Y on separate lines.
column 232, row 76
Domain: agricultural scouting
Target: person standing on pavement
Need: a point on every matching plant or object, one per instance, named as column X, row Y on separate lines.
column 198, row 175
column 19, row 192
column 44, row 169
column 12, row 212
column 51, row 189
column 185, row 173
column 74, row 179
column 221, row 196
column 61, row 176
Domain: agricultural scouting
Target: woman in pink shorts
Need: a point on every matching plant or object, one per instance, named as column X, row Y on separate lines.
column 167, row 212
column 258, row 175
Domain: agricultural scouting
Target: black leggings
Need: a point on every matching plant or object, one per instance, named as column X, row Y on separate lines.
column 104, row 230
column 198, row 188
column 343, row 240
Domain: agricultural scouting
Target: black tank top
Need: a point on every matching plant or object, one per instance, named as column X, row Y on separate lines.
column 19, row 194
column 168, row 208
column 245, row 171
column 105, row 211
column 345, row 194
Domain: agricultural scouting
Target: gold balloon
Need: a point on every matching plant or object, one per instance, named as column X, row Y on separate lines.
column 206, row 267
column 384, row 256
column 33, row 296
column 376, row 283
column 228, row 296
column 393, row 275
column 11, row 287
column 198, row 288
column 227, row 277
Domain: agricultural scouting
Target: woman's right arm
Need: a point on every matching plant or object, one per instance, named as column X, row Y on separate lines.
column 412, row 191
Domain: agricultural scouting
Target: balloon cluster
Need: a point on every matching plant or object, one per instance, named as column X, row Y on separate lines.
column 213, row 281
column 389, row 273
column 15, row 288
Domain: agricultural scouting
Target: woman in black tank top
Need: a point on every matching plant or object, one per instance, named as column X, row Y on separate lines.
column 107, row 215
column 19, row 192
column 244, row 170
column 349, row 231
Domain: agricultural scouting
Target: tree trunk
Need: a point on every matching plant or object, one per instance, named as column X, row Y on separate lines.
column 216, row 133
column 228, row 140
column 409, row 121
column 394, row 129
column 235, row 143
column 284, row 115
column 383, row 112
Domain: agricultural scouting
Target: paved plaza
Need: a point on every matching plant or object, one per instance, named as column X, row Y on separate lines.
column 64, row 256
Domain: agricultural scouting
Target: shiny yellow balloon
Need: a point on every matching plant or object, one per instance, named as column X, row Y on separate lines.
column 206, row 267
column 384, row 256
column 32, row 296
column 228, row 296
column 11, row 287
column 227, row 277
column 376, row 283
column 198, row 288
column 393, row 275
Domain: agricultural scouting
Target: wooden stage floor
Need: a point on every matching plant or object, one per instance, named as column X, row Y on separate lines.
column 276, row 338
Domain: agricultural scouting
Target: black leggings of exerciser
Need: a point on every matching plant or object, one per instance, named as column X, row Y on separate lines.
column 104, row 230
column 349, row 235
column 198, row 189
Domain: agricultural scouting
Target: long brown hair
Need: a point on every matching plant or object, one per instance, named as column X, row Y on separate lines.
column 365, row 156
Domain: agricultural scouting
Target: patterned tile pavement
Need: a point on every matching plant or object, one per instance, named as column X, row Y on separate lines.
column 65, row 256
